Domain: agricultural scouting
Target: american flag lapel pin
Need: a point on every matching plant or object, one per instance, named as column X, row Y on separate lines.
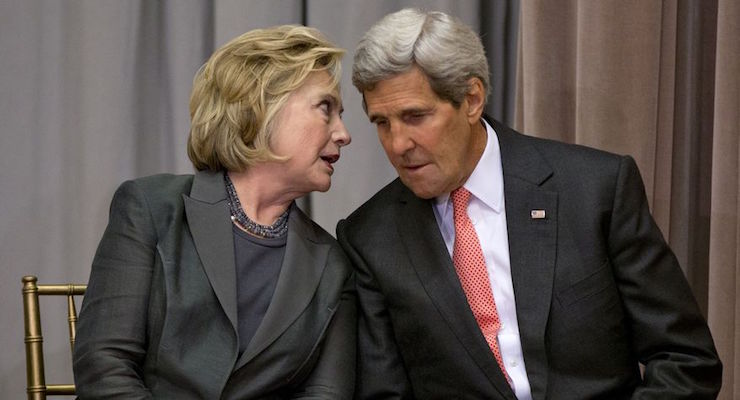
column 537, row 214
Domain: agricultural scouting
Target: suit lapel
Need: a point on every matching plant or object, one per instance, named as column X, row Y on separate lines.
column 300, row 273
column 532, row 246
column 210, row 225
column 420, row 234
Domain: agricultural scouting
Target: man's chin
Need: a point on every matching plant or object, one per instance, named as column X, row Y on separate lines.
column 420, row 190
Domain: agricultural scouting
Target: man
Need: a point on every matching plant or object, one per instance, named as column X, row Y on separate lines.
column 501, row 266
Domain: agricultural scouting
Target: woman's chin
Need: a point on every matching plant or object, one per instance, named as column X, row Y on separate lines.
column 318, row 187
column 324, row 188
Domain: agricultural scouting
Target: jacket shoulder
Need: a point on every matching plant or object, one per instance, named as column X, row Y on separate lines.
column 565, row 160
column 376, row 212
column 161, row 195
column 164, row 184
column 379, row 202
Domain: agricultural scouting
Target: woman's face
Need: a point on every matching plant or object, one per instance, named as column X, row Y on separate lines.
column 309, row 131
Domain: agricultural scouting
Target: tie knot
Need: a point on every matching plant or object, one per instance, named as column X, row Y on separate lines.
column 460, row 198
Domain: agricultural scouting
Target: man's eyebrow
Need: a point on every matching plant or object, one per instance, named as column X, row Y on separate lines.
column 415, row 110
column 374, row 117
column 404, row 112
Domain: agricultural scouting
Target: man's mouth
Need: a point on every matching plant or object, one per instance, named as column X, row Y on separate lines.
column 413, row 167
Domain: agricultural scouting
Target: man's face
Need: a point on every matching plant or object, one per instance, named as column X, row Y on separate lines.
column 433, row 145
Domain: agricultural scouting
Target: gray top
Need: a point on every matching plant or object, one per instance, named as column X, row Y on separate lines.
column 258, row 262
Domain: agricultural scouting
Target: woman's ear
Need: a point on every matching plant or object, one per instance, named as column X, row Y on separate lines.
column 475, row 99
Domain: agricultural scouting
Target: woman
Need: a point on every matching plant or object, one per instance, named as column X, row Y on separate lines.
column 216, row 286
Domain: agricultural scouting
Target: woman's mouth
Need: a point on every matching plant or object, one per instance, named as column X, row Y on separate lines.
column 330, row 159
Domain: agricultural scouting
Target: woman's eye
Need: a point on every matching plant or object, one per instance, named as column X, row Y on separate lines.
column 325, row 107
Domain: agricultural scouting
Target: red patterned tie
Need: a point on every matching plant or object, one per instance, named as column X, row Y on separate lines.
column 471, row 269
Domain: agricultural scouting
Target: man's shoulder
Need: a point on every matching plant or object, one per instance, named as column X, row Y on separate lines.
column 562, row 157
column 550, row 146
column 378, row 210
column 381, row 201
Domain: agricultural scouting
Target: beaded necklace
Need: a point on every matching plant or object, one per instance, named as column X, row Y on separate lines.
column 278, row 229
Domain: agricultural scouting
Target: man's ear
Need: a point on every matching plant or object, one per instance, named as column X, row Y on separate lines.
column 475, row 99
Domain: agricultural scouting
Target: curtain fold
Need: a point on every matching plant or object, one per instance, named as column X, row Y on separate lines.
column 692, row 141
column 724, row 243
column 499, row 27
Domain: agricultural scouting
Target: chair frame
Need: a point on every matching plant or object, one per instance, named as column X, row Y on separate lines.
column 36, row 387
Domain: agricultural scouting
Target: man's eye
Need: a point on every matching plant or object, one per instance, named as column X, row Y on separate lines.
column 414, row 117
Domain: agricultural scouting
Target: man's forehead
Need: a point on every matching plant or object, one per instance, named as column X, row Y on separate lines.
column 408, row 85
column 398, row 103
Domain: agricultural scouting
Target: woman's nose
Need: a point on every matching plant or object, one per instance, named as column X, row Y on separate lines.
column 341, row 135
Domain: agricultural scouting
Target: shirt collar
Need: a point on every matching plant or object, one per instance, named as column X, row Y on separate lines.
column 486, row 181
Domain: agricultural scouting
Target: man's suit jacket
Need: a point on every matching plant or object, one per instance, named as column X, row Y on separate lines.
column 159, row 316
column 597, row 289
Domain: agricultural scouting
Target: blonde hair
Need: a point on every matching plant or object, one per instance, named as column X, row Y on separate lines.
column 240, row 89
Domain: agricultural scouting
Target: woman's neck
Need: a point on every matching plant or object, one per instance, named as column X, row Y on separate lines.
column 260, row 195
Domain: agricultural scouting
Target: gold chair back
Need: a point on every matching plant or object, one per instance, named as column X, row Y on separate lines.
column 36, row 387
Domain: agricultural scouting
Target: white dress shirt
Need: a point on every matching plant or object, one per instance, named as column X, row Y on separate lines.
column 487, row 212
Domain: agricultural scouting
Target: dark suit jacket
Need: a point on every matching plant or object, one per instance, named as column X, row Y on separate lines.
column 159, row 316
column 597, row 289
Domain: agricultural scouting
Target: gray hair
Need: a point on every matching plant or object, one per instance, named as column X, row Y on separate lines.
column 446, row 50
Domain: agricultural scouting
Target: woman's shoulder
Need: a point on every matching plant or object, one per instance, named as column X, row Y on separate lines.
column 160, row 186
column 155, row 192
column 163, row 183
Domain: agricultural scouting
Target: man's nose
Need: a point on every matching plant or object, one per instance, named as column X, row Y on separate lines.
column 401, row 141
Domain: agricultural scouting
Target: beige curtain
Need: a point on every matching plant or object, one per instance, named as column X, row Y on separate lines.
column 724, row 276
column 657, row 80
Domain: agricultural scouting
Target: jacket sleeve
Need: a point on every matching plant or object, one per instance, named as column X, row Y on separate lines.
column 111, row 333
column 669, row 333
column 380, row 369
column 333, row 376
